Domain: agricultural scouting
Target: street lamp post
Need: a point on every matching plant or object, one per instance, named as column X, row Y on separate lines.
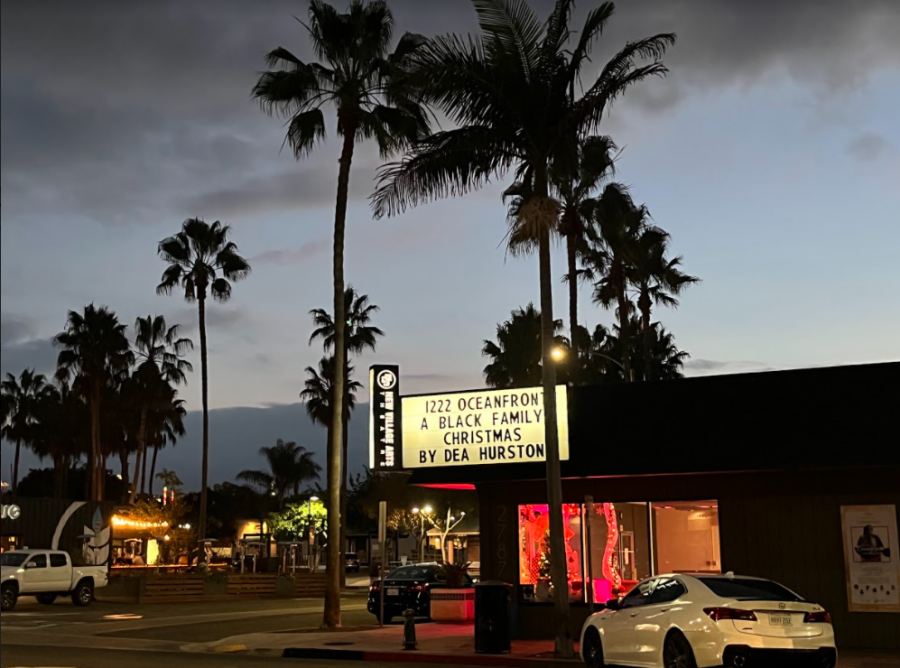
column 559, row 355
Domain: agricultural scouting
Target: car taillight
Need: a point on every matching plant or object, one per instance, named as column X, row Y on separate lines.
column 817, row 618
column 417, row 588
column 722, row 614
column 375, row 588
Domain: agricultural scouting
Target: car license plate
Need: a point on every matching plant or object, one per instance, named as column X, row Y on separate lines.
column 393, row 592
column 781, row 620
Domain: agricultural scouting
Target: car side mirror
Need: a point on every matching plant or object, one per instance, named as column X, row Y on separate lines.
column 31, row 564
column 613, row 604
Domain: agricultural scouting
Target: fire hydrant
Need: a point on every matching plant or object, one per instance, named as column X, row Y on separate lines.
column 409, row 630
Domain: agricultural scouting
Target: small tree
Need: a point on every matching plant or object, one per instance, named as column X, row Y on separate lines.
column 445, row 526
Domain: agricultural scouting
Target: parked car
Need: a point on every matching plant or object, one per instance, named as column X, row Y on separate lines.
column 407, row 588
column 352, row 562
column 699, row 621
column 47, row 575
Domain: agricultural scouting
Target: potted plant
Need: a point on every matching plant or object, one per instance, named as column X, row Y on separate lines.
column 453, row 600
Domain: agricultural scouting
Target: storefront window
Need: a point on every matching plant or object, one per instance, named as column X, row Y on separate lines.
column 617, row 545
column 535, row 558
column 686, row 537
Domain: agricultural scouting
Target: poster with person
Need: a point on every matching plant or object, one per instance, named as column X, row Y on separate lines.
column 872, row 560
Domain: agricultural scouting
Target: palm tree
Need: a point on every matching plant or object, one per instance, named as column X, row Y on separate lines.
column 203, row 262
column 165, row 427
column 290, row 465
column 511, row 92
column 63, row 432
column 22, row 407
column 516, row 354
column 94, row 349
column 655, row 279
column 159, row 351
column 610, row 256
column 365, row 83
column 360, row 336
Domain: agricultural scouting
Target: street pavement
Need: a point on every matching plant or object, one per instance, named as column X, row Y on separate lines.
column 197, row 635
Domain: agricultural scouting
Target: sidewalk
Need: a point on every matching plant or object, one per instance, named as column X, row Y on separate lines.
column 447, row 644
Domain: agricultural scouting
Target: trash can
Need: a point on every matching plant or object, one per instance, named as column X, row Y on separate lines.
column 492, row 623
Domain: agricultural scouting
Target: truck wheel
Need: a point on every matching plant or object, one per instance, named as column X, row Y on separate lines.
column 83, row 594
column 46, row 599
column 9, row 598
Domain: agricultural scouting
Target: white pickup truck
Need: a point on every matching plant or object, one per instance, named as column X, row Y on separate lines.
column 47, row 575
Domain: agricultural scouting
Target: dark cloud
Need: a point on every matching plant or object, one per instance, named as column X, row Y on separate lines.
column 868, row 147
column 37, row 354
column 290, row 190
column 137, row 112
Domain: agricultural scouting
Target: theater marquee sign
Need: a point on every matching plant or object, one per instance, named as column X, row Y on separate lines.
column 462, row 429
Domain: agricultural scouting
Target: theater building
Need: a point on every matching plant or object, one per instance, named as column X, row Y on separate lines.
column 776, row 475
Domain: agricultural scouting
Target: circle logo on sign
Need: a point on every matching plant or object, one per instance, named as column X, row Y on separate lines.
column 14, row 512
column 387, row 380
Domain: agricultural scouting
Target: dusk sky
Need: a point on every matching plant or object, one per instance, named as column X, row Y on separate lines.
column 771, row 153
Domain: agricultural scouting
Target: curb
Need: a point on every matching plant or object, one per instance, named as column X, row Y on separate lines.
column 417, row 657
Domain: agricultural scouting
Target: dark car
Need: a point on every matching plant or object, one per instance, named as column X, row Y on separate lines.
column 407, row 588
column 352, row 562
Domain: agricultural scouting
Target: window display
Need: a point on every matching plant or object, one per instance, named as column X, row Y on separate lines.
column 686, row 537
column 535, row 558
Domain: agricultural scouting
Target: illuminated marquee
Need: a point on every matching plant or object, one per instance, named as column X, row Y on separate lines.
column 476, row 428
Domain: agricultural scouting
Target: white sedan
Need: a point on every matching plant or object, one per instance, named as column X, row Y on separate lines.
column 702, row 621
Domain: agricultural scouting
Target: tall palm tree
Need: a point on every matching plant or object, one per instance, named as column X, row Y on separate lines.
column 159, row 351
column 22, row 407
column 290, row 465
column 655, row 279
column 203, row 262
column 516, row 354
column 511, row 92
column 360, row 336
column 94, row 349
column 365, row 83
column 165, row 427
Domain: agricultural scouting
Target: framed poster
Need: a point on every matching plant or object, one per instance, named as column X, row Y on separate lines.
column 872, row 560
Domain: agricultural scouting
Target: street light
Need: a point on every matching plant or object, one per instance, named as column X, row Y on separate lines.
column 559, row 354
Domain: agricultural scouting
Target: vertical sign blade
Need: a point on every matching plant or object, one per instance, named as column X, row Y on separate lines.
column 385, row 453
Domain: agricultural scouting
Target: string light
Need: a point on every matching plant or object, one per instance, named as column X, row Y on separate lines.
column 126, row 523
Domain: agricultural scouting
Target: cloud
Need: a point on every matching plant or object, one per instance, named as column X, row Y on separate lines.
column 305, row 252
column 15, row 328
column 216, row 316
column 705, row 367
column 37, row 354
column 868, row 147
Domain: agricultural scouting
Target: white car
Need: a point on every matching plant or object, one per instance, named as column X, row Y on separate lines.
column 47, row 575
column 702, row 621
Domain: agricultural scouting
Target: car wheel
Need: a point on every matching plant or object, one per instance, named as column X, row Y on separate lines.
column 592, row 651
column 83, row 594
column 9, row 598
column 46, row 599
column 678, row 652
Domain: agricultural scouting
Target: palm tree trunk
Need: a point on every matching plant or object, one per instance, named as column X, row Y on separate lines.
column 15, row 482
column 142, row 439
column 624, row 325
column 204, row 385
column 345, row 466
column 96, row 458
column 574, row 365
column 564, row 646
column 153, row 469
column 332, row 614
column 144, row 469
column 644, row 306
column 59, row 471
